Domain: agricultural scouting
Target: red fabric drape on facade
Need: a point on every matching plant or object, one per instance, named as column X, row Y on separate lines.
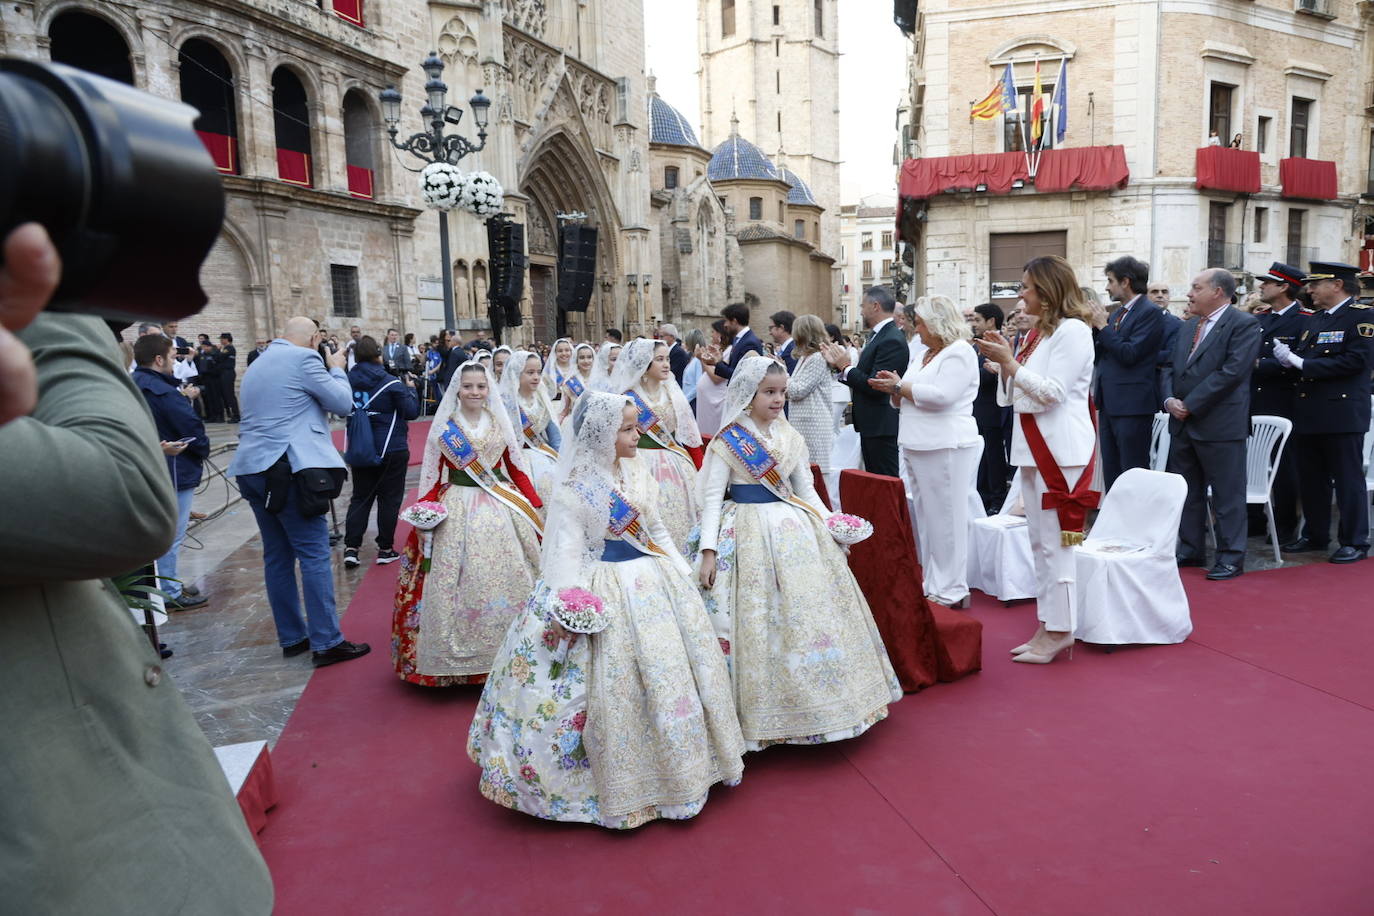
column 293, row 167
column 352, row 10
column 222, row 150
column 360, row 182
column 1083, row 168
column 1309, row 179
column 1087, row 168
column 1224, row 169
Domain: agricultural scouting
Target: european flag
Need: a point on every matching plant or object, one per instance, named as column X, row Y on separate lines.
column 1061, row 101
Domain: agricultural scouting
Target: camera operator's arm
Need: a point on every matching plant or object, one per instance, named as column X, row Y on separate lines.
column 85, row 491
column 27, row 280
column 330, row 386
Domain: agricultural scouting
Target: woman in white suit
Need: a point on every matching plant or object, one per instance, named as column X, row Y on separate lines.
column 1046, row 382
column 939, row 441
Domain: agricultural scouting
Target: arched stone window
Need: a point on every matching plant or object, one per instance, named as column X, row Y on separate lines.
column 90, row 43
column 360, row 144
column 756, row 208
column 670, row 176
column 291, row 120
column 207, row 85
column 706, row 258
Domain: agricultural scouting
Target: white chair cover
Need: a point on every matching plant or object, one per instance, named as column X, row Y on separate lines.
column 844, row 455
column 1263, row 449
column 1159, row 443
column 999, row 551
column 1129, row 590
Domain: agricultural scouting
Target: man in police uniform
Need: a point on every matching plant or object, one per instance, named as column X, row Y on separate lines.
column 1274, row 387
column 1333, row 354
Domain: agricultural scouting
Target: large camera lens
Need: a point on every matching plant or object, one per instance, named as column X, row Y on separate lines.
column 121, row 182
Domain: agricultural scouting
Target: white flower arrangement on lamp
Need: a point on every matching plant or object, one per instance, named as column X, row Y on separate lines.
column 482, row 194
column 442, row 185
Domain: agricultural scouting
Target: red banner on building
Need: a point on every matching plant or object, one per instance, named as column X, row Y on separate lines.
column 351, row 10
column 222, row 149
column 293, row 167
column 360, row 182
column 1309, row 179
column 1224, row 169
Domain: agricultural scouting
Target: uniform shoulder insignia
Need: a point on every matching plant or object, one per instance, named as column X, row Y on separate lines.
column 1365, row 328
column 1358, row 305
column 1308, row 311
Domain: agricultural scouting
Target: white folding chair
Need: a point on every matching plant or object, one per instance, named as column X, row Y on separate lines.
column 1159, row 443
column 999, row 551
column 1128, row 586
column 1263, row 449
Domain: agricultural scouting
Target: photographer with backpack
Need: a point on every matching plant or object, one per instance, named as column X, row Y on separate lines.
column 378, row 450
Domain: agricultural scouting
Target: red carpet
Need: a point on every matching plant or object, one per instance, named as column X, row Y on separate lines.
column 415, row 436
column 1226, row 775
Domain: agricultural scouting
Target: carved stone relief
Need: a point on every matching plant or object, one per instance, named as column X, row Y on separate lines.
column 457, row 43
column 530, row 15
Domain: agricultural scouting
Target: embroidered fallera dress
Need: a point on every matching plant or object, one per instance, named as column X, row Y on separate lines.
column 805, row 656
column 673, row 467
column 454, row 607
column 628, row 725
column 541, row 438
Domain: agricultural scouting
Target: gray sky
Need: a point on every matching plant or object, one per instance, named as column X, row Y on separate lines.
column 872, row 79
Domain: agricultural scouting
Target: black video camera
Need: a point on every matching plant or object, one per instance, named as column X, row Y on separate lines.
column 118, row 177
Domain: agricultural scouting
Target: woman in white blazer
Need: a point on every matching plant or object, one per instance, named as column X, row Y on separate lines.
column 1049, row 378
column 939, row 441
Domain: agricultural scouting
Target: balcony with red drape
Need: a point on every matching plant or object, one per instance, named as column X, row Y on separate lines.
column 1308, row 179
column 1222, row 168
column 223, row 149
column 349, row 11
column 1087, row 168
column 360, row 182
column 294, row 167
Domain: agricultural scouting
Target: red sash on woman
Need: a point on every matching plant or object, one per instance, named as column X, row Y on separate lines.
column 1070, row 505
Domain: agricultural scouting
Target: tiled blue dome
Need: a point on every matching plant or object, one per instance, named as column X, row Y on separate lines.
column 667, row 125
column 738, row 158
column 801, row 192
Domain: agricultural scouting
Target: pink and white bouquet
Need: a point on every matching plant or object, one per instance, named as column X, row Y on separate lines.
column 849, row 529
column 425, row 514
column 578, row 610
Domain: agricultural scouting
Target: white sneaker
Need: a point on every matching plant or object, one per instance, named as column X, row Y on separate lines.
column 351, row 557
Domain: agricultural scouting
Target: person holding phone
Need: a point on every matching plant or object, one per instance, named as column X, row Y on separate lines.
column 184, row 443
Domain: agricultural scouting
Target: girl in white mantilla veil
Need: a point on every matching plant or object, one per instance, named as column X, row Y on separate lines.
column 579, row 381
column 806, row 659
column 606, row 355
column 669, row 443
column 633, row 722
column 558, row 368
column 454, row 605
column 532, row 416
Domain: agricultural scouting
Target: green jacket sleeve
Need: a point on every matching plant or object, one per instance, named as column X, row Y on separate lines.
column 84, row 491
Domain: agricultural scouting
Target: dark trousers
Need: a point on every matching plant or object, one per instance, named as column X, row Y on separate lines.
column 386, row 485
column 1125, row 444
column 1220, row 465
column 1332, row 461
column 879, row 454
column 211, row 398
column 227, row 396
column 992, row 467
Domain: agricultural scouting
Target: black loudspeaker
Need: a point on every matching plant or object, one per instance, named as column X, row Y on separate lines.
column 506, row 260
column 576, row 267
column 904, row 14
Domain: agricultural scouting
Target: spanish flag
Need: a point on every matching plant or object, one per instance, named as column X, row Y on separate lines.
column 1037, row 116
column 1000, row 100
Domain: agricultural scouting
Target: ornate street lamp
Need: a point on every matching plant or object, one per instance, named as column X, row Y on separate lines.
column 434, row 145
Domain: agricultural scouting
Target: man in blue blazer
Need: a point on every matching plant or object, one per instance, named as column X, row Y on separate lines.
column 284, row 397
column 1125, row 385
column 742, row 340
column 780, row 329
column 875, row 419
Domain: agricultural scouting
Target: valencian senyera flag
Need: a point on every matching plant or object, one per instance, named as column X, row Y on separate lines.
column 1000, row 100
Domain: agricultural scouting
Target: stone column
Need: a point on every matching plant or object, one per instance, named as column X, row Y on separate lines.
column 257, row 131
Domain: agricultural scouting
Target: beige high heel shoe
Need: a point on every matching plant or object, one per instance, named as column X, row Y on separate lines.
column 1030, row 644
column 1048, row 653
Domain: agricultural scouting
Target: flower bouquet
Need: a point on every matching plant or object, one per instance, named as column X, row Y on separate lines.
column 849, row 529
column 578, row 610
column 442, row 185
column 482, row 194
column 424, row 516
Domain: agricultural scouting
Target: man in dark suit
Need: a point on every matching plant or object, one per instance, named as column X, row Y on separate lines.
column 395, row 355
column 228, row 374
column 678, row 357
column 259, row 348
column 1159, row 295
column 875, row 419
column 208, row 378
column 1274, row 386
column 1333, row 355
column 1207, row 395
column 742, row 340
column 780, row 329
column 990, row 416
column 1125, row 383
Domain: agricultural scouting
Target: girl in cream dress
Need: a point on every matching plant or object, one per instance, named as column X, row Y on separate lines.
column 631, row 723
column 806, row 659
column 455, row 600
column 557, row 369
column 531, row 416
column 669, row 442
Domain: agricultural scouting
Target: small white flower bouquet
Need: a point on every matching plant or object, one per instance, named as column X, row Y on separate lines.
column 442, row 185
column 424, row 516
column 578, row 610
column 482, row 194
column 849, row 529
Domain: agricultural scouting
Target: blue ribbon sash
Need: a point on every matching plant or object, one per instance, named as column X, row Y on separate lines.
column 624, row 523
column 460, row 452
column 575, row 386
column 759, row 463
column 651, row 425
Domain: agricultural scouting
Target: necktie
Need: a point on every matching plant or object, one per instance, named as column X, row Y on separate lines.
column 1197, row 335
column 1120, row 316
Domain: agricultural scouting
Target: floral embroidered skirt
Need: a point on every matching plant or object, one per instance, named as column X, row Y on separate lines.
column 805, row 656
column 454, row 607
column 629, row 725
column 541, row 472
column 677, row 496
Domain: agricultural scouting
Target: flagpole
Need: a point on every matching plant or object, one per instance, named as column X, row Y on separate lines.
column 972, row 130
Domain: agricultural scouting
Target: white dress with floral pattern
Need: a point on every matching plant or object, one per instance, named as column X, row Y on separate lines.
column 631, row 724
column 676, row 475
